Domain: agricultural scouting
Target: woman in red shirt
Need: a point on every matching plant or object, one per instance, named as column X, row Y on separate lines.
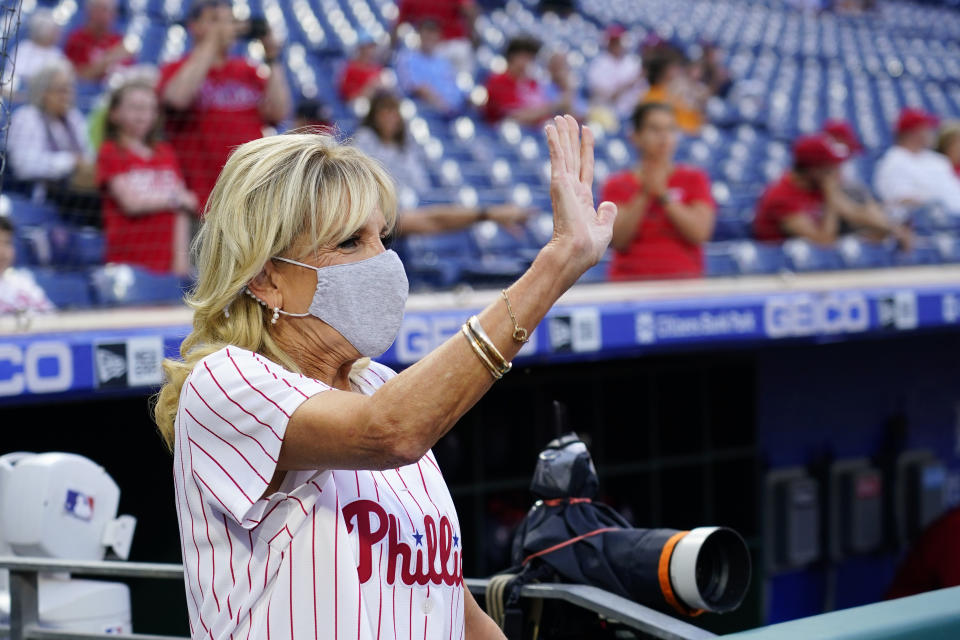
column 666, row 211
column 146, row 207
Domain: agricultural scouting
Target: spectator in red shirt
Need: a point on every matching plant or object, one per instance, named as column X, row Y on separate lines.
column 95, row 48
column 809, row 201
column 215, row 102
column 515, row 94
column 455, row 19
column 666, row 211
column 363, row 72
column 147, row 209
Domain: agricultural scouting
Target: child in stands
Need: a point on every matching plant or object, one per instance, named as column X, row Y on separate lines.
column 147, row 209
column 19, row 293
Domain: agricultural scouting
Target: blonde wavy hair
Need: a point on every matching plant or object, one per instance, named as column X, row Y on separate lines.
column 271, row 193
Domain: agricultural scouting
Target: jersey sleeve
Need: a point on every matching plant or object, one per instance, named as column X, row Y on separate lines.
column 699, row 188
column 109, row 164
column 618, row 189
column 234, row 410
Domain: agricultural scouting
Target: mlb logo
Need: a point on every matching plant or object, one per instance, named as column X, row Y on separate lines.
column 79, row 505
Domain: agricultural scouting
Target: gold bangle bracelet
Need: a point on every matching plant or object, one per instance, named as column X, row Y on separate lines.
column 475, row 345
column 495, row 356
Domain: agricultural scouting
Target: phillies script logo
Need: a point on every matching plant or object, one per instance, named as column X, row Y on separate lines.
column 415, row 567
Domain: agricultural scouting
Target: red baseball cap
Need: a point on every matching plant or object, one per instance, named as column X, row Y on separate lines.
column 842, row 132
column 615, row 31
column 818, row 150
column 912, row 118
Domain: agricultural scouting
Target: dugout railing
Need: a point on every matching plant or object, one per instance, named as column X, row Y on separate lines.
column 24, row 606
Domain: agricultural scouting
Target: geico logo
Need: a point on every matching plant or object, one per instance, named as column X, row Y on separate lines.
column 41, row 367
column 807, row 314
column 420, row 334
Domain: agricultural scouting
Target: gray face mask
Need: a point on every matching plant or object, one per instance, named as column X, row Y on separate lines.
column 362, row 300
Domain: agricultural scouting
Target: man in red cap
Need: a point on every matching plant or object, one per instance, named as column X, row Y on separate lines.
column 910, row 174
column 808, row 201
column 615, row 79
column 841, row 132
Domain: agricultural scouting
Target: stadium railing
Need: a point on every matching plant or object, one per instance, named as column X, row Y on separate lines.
column 24, row 609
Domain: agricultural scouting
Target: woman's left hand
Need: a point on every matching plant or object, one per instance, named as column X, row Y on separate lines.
column 580, row 232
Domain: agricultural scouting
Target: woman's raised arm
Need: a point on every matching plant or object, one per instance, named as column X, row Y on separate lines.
column 404, row 418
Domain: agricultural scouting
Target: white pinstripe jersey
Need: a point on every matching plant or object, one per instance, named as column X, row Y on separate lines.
column 332, row 554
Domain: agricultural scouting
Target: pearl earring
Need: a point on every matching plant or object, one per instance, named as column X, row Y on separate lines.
column 276, row 315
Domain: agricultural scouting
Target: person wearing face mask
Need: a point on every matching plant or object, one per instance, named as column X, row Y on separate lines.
column 299, row 461
column 666, row 210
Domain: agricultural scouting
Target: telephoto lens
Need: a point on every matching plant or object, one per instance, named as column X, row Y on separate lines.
column 567, row 536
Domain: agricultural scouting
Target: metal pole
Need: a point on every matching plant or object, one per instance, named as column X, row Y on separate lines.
column 24, row 612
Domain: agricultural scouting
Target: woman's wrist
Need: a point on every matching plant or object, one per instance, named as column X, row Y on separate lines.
column 558, row 263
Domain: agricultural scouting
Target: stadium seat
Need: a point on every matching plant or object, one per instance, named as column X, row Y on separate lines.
column 23, row 211
column 802, row 255
column 861, row 254
column 123, row 284
column 76, row 246
column 65, row 288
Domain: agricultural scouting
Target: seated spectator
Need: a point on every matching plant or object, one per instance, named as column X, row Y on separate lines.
column 515, row 93
column 948, row 144
column 709, row 71
column 147, row 209
column 563, row 86
column 455, row 19
column 362, row 75
column 215, row 102
column 670, row 83
column 426, row 75
column 873, row 222
column 615, row 78
column 315, row 115
column 37, row 51
column 809, row 201
column 48, row 146
column 382, row 135
column 666, row 211
column 19, row 293
column 95, row 49
column 910, row 174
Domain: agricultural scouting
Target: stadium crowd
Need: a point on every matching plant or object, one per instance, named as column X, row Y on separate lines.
column 142, row 164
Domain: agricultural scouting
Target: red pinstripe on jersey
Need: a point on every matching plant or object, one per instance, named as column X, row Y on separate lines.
column 230, row 428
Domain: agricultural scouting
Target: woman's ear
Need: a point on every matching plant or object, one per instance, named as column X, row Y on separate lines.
column 264, row 286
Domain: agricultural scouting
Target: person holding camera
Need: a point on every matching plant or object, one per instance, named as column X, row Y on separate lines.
column 215, row 101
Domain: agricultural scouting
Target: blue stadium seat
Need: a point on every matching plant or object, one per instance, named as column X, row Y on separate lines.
column 65, row 288
column 76, row 246
column 802, row 255
column 23, row 211
column 123, row 284
column 861, row 254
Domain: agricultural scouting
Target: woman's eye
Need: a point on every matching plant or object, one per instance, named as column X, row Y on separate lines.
column 349, row 243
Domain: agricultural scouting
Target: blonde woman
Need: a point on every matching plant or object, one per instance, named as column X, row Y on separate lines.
column 309, row 502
